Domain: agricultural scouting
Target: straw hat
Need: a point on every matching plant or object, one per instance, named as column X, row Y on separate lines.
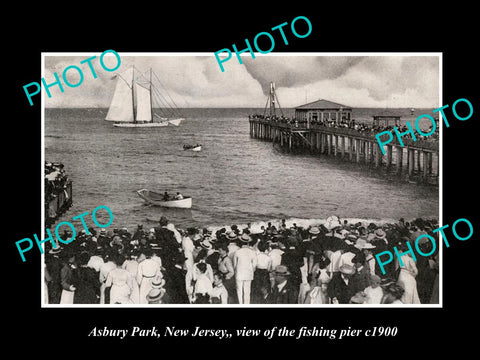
column 245, row 238
column 380, row 234
column 314, row 230
column 155, row 295
column 54, row 251
column 231, row 235
column 363, row 244
column 347, row 269
column 206, row 244
column 158, row 282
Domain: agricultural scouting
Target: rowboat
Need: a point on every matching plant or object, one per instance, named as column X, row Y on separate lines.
column 192, row 148
column 155, row 198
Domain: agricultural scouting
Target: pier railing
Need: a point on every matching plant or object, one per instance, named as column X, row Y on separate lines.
column 417, row 157
column 427, row 145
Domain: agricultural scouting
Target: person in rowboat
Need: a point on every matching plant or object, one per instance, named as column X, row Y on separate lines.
column 178, row 196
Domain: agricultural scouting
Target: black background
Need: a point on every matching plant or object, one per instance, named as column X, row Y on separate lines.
column 208, row 28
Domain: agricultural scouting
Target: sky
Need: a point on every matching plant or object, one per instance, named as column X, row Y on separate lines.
column 195, row 80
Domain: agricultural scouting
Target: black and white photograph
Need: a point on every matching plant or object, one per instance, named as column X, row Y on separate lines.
column 220, row 181
column 262, row 185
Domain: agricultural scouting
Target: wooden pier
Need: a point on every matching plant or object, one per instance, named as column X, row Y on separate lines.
column 415, row 161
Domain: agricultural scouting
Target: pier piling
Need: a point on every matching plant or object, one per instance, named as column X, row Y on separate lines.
column 422, row 160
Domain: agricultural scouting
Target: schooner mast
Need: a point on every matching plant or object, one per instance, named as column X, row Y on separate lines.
column 132, row 103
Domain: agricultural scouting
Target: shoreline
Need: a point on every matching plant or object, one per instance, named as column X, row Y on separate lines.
column 255, row 226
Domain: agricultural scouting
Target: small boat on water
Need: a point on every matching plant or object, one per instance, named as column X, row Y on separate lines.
column 155, row 198
column 197, row 147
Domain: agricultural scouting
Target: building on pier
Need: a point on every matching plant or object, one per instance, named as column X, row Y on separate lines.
column 323, row 110
column 315, row 129
column 386, row 118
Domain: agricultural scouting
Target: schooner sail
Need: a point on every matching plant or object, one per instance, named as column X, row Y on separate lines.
column 130, row 92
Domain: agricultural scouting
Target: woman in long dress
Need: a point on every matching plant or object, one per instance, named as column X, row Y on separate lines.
column 120, row 282
column 131, row 265
column 406, row 279
column 105, row 268
column 146, row 271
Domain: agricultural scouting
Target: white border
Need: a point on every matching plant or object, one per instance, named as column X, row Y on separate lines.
column 237, row 306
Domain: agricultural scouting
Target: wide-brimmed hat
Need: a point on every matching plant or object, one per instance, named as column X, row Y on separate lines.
column 231, row 235
column 54, row 251
column 245, row 238
column 281, row 270
column 363, row 244
column 347, row 269
column 158, row 282
column 380, row 234
column 155, row 294
column 206, row 244
column 314, row 230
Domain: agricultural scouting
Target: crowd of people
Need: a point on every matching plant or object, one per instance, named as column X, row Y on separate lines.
column 329, row 263
column 55, row 179
column 58, row 191
column 361, row 127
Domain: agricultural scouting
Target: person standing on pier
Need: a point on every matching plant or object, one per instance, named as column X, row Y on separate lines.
column 244, row 263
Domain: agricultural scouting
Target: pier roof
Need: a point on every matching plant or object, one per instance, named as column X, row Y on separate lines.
column 323, row 104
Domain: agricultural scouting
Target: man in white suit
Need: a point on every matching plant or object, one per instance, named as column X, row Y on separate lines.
column 244, row 263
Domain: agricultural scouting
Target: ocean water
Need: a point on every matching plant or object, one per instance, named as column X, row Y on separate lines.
column 233, row 180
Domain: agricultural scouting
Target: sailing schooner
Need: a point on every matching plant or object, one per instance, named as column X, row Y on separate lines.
column 130, row 92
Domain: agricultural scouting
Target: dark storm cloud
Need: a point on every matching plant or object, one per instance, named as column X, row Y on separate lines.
column 294, row 71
